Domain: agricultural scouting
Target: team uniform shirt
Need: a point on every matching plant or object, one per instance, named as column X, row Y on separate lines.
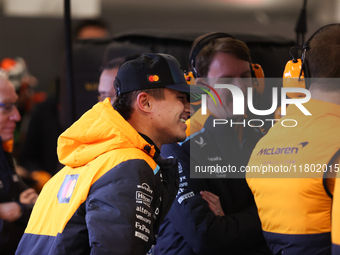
column 336, row 217
column 110, row 197
column 190, row 226
column 295, row 203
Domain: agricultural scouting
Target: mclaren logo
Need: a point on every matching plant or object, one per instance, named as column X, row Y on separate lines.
column 281, row 150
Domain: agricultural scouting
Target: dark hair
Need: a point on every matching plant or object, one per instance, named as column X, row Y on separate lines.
column 124, row 102
column 324, row 53
column 226, row 45
column 117, row 62
column 90, row 23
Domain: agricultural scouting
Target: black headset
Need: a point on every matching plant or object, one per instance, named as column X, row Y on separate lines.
column 200, row 45
column 256, row 69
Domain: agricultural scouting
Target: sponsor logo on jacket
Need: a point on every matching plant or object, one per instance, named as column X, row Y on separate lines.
column 67, row 188
column 281, row 150
column 200, row 142
column 146, row 187
column 141, row 197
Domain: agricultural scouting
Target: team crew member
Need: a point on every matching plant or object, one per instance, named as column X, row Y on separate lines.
column 336, row 214
column 115, row 189
column 107, row 77
column 214, row 216
column 296, row 212
column 16, row 199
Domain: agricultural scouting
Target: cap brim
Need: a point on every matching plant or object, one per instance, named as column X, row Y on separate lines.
column 194, row 89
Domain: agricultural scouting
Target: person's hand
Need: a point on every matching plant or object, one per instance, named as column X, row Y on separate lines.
column 10, row 211
column 28, row 196
column 214, row 202
column 23, row 172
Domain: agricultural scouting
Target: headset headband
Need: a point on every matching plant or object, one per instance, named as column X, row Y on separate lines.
column 306, row 45
column 203, row 42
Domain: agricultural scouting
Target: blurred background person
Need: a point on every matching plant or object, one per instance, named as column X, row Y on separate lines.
column 107, row 77
column 16, row 199
column 24, row 83
column 25, row 86
column 91, row 28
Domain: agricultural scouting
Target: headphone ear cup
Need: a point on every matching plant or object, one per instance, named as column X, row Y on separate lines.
column 293, row 77
column 200, row 45
column 194, row 99
column 190, row 78
column 258, row 78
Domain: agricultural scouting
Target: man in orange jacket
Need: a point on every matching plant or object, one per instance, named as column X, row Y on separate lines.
column 115, row 189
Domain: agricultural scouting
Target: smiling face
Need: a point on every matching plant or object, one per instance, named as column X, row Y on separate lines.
column 226, row 68
column 9, row 117
column 169, row 117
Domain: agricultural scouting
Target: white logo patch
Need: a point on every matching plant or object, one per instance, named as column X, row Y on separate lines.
column 146, row 187
column 185, row 196
column 141, row 197
column 201, row 142
column 142, row 236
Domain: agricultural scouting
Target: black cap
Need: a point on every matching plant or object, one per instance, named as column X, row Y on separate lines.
column 153, row 70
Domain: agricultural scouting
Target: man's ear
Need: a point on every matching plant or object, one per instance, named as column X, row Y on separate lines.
column 144, row 102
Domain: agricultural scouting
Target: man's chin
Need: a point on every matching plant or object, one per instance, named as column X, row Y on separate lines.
column 182, row 138
column 178, row 139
